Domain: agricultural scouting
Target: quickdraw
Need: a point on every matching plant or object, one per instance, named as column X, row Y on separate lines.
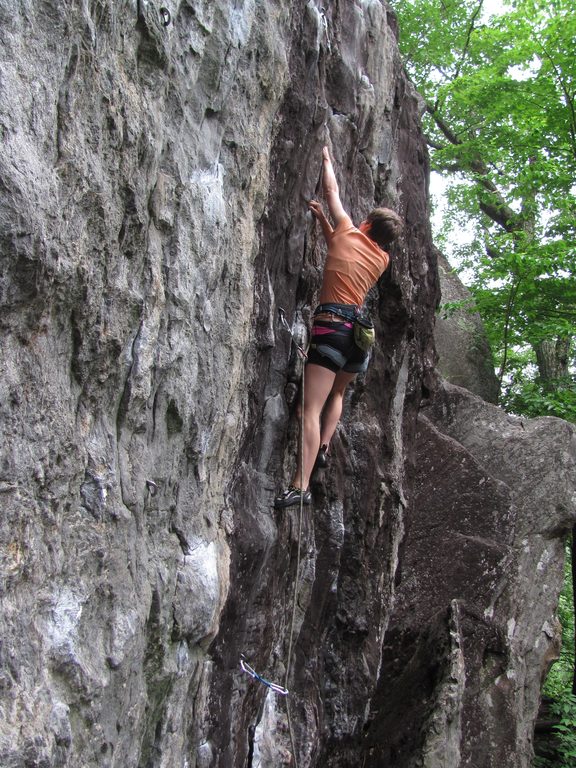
column 282, row 316
column 252, row 672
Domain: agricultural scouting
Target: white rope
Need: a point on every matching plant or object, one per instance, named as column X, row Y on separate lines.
column 297, row 579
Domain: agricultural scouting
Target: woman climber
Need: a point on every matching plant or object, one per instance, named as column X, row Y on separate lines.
column 356, row 259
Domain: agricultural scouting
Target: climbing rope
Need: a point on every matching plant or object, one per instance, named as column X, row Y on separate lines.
column 276, row 688
column 303, row 354
column 283, row 690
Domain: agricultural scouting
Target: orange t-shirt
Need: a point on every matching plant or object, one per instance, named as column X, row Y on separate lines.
column 354, row 263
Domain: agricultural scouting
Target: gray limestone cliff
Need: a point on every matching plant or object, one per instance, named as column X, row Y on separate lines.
column 155, row 167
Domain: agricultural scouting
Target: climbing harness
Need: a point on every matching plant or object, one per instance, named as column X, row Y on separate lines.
column 364, row 334
column 252, row 672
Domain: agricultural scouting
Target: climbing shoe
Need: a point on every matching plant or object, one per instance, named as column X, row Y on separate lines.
column 291, row 497
column 322, row 458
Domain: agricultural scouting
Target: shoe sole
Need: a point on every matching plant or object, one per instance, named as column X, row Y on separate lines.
column 292, row 503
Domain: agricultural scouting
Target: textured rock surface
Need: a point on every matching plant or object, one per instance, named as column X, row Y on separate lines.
column 154, row 183
column 153, row 186
column 464, row 355
column 473, row 618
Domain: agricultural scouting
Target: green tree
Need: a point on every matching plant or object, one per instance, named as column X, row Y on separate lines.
column 500, row 116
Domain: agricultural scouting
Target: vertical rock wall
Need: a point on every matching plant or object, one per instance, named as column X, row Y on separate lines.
column 156, row 162
column 346, row 87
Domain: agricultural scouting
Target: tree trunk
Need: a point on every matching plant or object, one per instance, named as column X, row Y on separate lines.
column 552, row 358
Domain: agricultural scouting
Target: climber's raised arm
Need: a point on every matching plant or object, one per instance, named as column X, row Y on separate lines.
column 331, row 190
column 342, row 334
column 318, row 212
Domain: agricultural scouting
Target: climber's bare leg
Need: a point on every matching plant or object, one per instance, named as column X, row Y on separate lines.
column 318, row 385
column 333, row 408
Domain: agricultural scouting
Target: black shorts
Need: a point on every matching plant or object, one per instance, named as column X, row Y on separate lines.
column 332, row 346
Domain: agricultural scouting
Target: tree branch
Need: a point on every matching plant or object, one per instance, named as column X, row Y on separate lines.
column 567, row 96
column 467, row 41
column 501, row 214
column 434, row 144
column 496, row 209
column 450, row 135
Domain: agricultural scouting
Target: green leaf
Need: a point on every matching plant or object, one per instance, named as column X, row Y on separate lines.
column 501, row 121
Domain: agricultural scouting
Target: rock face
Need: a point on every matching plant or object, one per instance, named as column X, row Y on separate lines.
column 156, row 162
column 464, row 355
column 472, row 631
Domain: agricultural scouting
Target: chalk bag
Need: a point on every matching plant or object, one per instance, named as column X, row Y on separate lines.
column 364, row 335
